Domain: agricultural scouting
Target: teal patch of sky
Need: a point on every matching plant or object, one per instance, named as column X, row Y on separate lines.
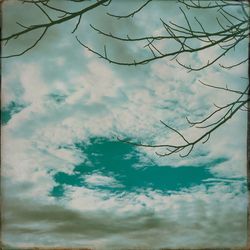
column 9, row 110
column 122, row 162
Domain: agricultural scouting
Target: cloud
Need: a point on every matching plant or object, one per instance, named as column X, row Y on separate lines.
column 203, row 217
column 66, row 105
column 100, row 180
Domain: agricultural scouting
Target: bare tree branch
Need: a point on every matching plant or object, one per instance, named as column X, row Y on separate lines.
column 131, row 14
column 222, row 88
column 77, row 24
column 232, row 28
column 178, row 52
column 44, row 12
column 176, row 131
column 46, row 26
column 234, row 65
column 29, row 48
column 172, row 148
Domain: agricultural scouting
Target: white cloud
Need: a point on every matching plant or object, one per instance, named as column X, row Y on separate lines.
column 137, row 115
column 101, row 180
column 32, row 82
column 60, row 61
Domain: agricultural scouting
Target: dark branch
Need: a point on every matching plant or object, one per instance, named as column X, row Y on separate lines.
column 46, row 26
column 29, row 48
column 131, row 14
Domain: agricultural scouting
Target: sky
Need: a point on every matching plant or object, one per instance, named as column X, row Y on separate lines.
column 66, row 179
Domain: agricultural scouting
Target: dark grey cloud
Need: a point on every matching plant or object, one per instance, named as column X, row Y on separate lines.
column 197, row 224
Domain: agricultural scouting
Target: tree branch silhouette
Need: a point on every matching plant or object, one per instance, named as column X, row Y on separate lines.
column 231, row 109
column 189, row 38
column 31, row 28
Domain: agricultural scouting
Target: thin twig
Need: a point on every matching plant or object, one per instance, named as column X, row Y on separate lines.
column 131, row 14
